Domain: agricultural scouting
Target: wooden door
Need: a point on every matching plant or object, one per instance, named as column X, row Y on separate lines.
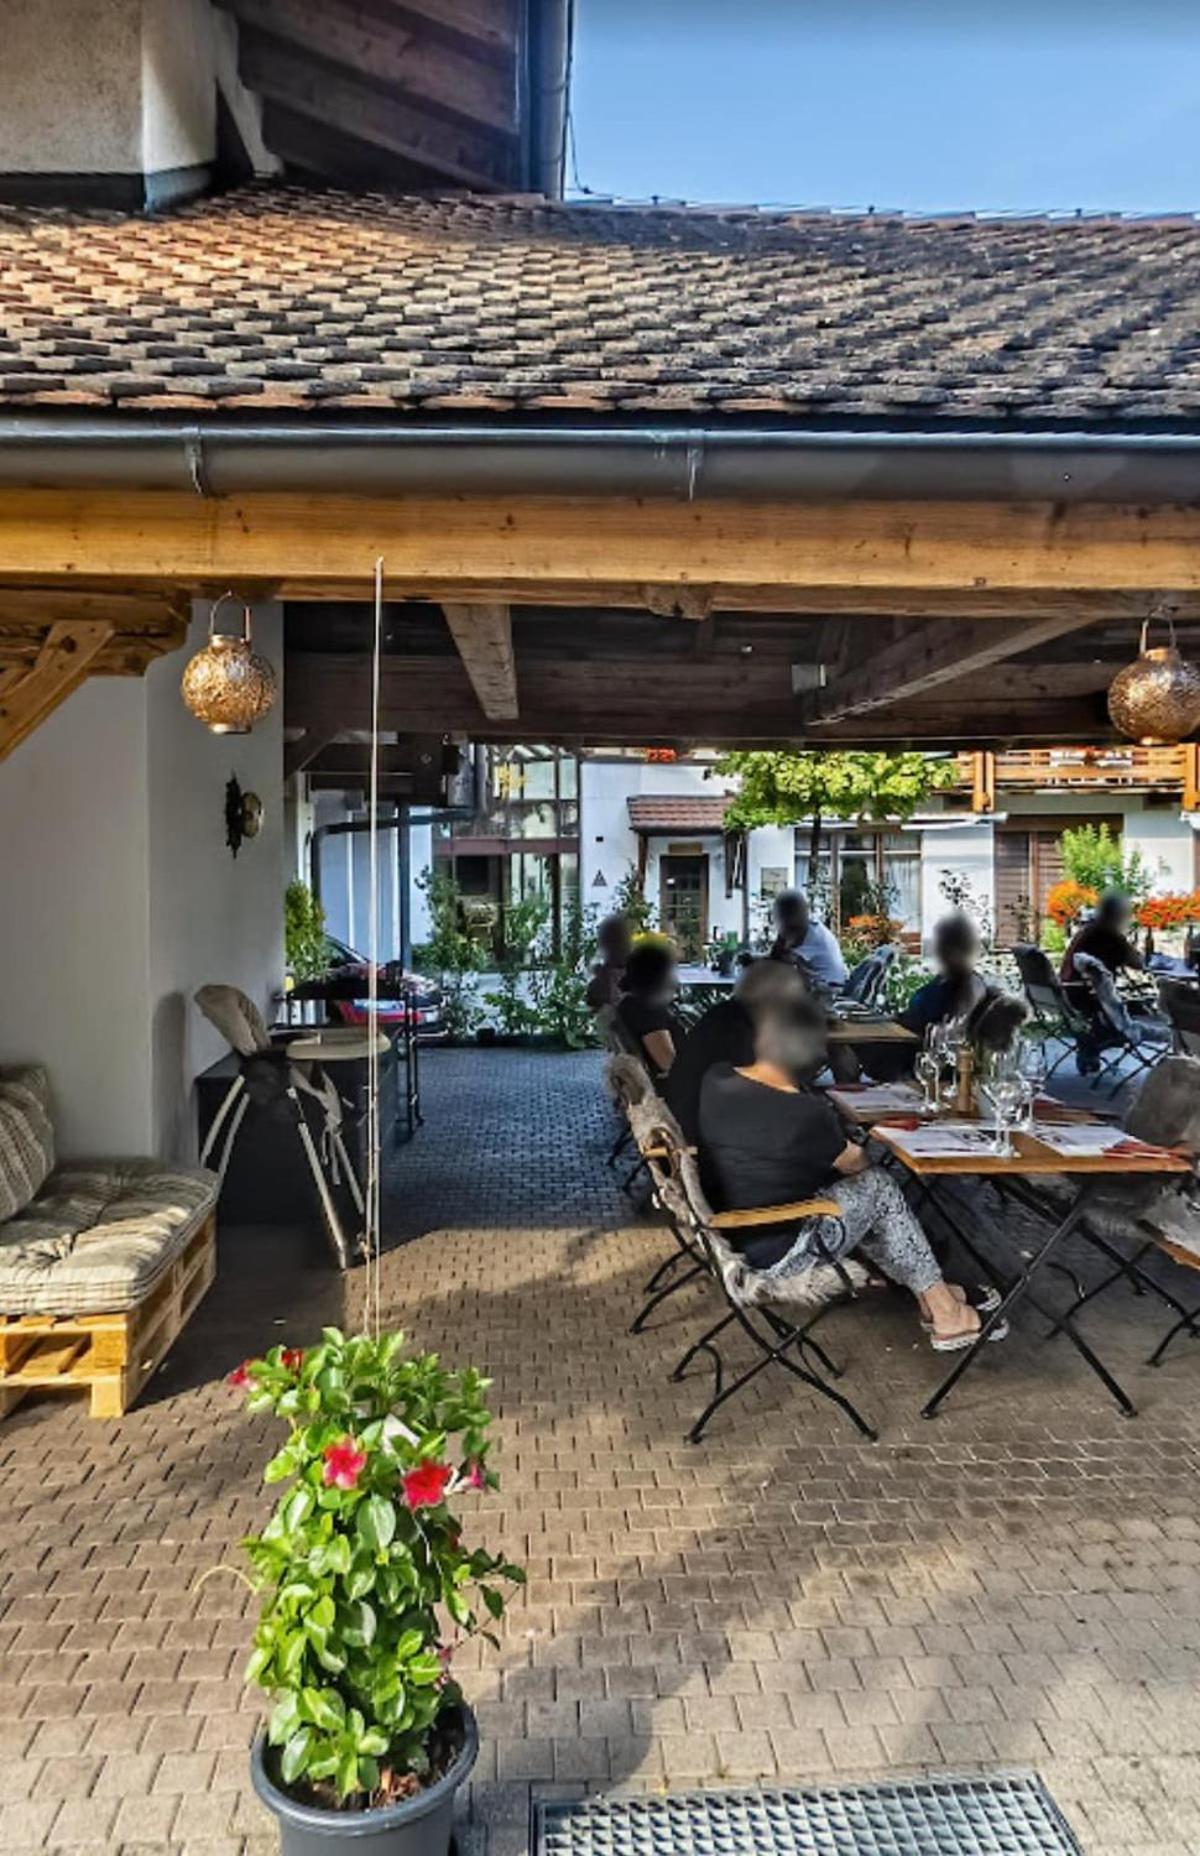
column 1028, row 863
column 683, row 903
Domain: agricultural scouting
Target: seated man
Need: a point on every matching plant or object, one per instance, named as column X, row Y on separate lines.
column 1106, row 938
column 644, row 1006
column 766, row 1141
column 725, row 1034
column 956, row 990
column 613, row 943
column 807, row 944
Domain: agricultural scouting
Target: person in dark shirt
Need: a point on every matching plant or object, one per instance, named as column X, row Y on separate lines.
column 1105, row 937
column 956, row 988
column 767, row 1141
column 725, row 1034
column 613, row 943
column 644, row 1006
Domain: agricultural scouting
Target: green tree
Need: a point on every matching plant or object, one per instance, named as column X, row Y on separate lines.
column 1093, row 856
column 781, row 788
column 304, row 932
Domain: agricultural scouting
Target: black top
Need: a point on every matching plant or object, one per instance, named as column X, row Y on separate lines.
column 723, row 1035
column 1104, row 944
column 640, row 1016
column 763, row 1147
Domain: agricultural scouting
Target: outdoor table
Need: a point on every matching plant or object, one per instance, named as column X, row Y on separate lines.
column 1032, row 1158
column 867, row 1028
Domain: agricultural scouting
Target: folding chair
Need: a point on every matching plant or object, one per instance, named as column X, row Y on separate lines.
column 1180, row 1002
column 752, row 1303
column 1144, row 1037
column 1052, row 1011
column 275, row 1077
column 619, row 1041
column 1145, row 1213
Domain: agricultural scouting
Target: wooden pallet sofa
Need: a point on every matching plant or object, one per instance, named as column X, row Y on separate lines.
column 101, row 1262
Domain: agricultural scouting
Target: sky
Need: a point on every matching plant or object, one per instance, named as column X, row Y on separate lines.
column 917, row 105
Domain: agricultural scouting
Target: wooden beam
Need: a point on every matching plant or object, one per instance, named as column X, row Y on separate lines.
column 462, row 151
column 390, row 50
column 299, row 754
column 1191, row 777
column 484, row 640
column 490, row 23
column 28, row 697
column 577, row 550
column 920, row 660
column 983, row 781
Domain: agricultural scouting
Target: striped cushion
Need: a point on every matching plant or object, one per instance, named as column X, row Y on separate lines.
column 26, row 1137
column 99, row 1237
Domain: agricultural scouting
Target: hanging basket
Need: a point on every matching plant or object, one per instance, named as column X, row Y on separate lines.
column 228, row 686
column 1156, row 701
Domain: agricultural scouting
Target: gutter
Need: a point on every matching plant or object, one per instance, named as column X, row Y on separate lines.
column 359, row 457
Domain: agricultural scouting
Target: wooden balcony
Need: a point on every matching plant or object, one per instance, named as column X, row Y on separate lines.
column 1102, row 769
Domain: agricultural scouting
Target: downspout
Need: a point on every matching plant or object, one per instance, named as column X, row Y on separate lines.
column 550, row 27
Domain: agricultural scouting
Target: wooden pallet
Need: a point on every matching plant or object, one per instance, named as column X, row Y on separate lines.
column 112, row 1355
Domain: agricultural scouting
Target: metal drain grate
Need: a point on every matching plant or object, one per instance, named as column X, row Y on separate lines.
column 1011, row 1815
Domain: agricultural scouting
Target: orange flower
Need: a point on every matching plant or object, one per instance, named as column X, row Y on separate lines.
column 1067, row 901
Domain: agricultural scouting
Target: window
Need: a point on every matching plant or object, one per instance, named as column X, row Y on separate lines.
column 858, row 869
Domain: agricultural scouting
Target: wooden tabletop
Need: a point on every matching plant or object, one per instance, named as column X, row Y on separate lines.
column 1031, row 1157
column 868, row 1104
column 869, row 1031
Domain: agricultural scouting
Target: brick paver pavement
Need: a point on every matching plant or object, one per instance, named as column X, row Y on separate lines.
column 1016, row 1584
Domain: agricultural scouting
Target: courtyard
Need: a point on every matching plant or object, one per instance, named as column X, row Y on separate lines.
column 1015, row 1585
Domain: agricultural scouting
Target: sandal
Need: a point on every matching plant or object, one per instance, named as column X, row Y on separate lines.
column 957, row 1343
column 983, row 1299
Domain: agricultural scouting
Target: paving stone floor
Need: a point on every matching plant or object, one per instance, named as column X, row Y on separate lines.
column 1014, row 1585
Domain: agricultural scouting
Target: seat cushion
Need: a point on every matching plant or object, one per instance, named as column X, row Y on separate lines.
column 26, row 1137
column 99, row 1236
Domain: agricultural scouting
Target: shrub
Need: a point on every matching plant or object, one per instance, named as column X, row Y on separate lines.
column 1097, row 860
column 304, row 932
column 1066, row 901
column 363, row 1559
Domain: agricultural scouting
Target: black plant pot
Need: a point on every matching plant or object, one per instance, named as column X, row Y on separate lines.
column 417, row 1826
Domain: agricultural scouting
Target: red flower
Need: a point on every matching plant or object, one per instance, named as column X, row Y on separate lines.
column 445, row 1652
column 425, row 1485
column 292, row 1358
column 475, row 1477
column 240, row 1378
column 344, row 1463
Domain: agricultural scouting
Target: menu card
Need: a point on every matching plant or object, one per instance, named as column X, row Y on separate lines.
column 1073, row 1139
column 942, row 1139
column 879, row 1098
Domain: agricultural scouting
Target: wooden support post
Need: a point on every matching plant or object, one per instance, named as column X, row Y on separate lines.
column 1191, row 776
column 983, row 781
column 28, row 697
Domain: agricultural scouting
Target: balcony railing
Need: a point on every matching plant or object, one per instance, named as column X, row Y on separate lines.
column 1110, row 768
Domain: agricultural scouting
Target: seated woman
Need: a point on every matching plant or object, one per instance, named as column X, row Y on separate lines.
column 956, row 989
column 766, row 1141
column 644, row 1006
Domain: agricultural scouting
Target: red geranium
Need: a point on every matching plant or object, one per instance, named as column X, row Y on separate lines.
column 292, row 1358
column 344, row 1463
column 475, row 1477
column 425, row 1485
column 240, row 1378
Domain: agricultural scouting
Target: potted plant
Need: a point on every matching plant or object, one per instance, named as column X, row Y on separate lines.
column 367, row 1587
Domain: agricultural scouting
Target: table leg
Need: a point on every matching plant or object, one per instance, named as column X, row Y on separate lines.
column 1015, row 1294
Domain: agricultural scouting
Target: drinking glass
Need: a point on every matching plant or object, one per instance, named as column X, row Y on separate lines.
column 928, row 1068
column 1007, row 1092
column 1031, row 1067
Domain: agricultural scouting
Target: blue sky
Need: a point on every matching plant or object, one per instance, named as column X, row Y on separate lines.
column 924, row 105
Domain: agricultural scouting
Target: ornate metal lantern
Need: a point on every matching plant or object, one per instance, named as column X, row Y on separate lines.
column 228, row 686
column 1156, row 701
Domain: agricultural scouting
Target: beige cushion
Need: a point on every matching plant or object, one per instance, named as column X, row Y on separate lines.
column 100, row 1235
column 26, row 1137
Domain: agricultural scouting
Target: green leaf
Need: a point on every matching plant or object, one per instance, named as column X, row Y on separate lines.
column 361, row 1577
column 298, row 1505
column 359, row 1627
column 284, row 1720
column 295, row 1755
column 282, row 1465
column 376, row 1522
column 347, row 1772
column 259, row 1661
column 493, row 1601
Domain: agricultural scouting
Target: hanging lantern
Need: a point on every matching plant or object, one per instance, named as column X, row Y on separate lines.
column 1156, row 701
column 228, row 686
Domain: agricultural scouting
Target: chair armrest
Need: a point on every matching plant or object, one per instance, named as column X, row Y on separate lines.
column 660, row 1153
column 777, row 1214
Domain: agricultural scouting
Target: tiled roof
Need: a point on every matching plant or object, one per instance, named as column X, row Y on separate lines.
column 678, row 812
column 268, row 299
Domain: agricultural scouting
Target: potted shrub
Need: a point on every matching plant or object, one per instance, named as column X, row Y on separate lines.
column 367, row 1585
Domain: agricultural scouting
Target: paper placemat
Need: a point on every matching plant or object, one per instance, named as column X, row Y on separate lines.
column 943, row 1139
column 1073, row 1139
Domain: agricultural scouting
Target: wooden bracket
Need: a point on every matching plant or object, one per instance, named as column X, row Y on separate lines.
column 27, row 697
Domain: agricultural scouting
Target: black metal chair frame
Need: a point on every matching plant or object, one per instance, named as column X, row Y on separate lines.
column 775, row 1339
column 1052, row 1009
column 1144, row 1052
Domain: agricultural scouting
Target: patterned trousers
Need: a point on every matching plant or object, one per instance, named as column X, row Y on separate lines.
column 875, row 1221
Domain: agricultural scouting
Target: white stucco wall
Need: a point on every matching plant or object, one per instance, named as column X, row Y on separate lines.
column 965, row 850
column 75, row 922
column 106, row 86
column 121, row 898
column 609, row 847
column 212, row 916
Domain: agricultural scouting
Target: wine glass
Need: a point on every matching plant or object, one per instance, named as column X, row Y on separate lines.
column 928, row 1069
column 1007, row 1092
column 1031, row 1067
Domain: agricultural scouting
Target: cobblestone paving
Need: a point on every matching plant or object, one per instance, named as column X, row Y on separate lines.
column 1016, row 1584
